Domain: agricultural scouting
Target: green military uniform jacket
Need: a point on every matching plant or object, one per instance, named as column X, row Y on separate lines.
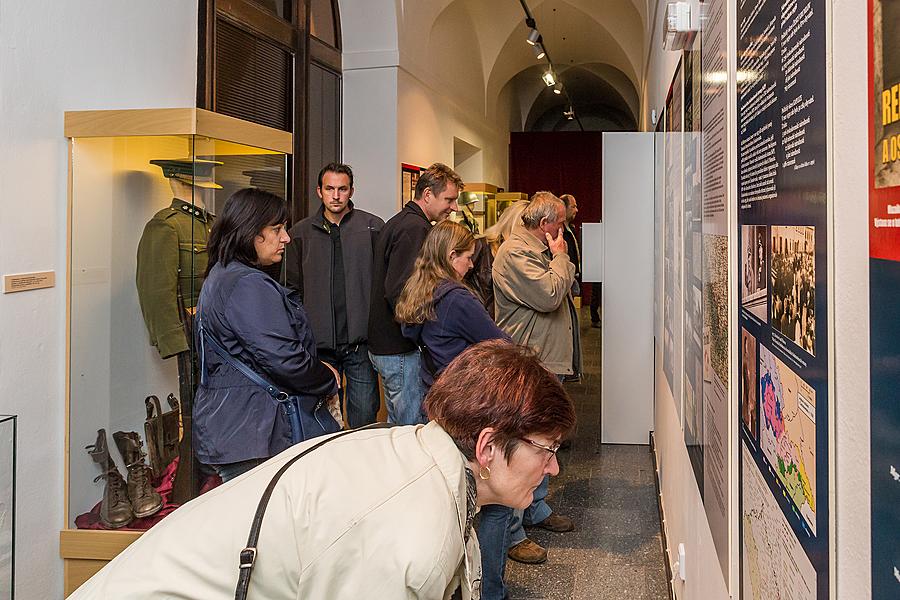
column 171, row 261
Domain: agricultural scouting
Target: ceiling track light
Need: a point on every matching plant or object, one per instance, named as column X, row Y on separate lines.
column 549, row 78
column 534, row 36
column 539, row 52
column 557, row 89
column 569, row 113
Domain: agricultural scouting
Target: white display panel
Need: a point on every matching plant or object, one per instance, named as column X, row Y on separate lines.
column 628, row 190
column 592, row 252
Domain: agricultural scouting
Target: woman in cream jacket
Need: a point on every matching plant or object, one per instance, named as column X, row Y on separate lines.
column 379, row 513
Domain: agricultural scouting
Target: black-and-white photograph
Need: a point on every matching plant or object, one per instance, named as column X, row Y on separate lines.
column 749, row 383
column 794, row 284
column 753, row 270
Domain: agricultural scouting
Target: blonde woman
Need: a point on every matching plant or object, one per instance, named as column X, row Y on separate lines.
column 479, row 279
column 436, row 309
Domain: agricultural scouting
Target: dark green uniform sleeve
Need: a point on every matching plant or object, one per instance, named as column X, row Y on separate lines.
column 157, row 285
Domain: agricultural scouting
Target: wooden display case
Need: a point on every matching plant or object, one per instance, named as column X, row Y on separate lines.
column 113, row 191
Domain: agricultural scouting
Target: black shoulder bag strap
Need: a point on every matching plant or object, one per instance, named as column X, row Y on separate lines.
column 248, row 554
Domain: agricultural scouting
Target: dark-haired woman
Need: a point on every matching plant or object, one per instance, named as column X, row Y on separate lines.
column 237, row 425
column 444, row 317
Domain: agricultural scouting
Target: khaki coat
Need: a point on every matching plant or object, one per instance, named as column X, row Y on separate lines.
column 533, row 299
column 377, row 514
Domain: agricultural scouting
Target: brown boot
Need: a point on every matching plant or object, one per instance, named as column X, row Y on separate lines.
column 145, row 501
column 115, row 510
column 557, row 523
column 528, row 552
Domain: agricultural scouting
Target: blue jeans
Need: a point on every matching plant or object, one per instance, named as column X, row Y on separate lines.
column 352, row 362
column 229, row 471
column 537, row 512
column 403, row 387
column 493, row 539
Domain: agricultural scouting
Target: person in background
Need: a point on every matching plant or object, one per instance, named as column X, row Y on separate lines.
column 571, row 240
column 236, row 424
column 395, row 357
column 329, row 262
column 378, row 513
column 533, row 300
column 479, row 279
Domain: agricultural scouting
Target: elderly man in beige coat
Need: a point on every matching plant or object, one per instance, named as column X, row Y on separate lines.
column 533, row 302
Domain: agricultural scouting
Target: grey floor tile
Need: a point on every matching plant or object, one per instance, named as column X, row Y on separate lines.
column 615, row 551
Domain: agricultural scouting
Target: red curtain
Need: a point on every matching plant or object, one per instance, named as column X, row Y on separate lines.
column 562, row 162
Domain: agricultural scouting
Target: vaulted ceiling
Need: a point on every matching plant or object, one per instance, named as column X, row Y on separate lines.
column 479, row 46
column 475, row 52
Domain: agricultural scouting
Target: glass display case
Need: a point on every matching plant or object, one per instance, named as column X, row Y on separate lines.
column 477, row 207
column 144, row 190
column 505, row 199
column 7, row 506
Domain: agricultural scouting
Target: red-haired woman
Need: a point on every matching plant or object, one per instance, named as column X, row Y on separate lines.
column 378, row 513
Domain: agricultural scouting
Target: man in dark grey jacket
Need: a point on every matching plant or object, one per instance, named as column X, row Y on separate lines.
column 329, row 261
column 395, row 357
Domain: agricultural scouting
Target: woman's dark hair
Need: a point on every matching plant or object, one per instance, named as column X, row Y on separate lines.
column 247, row 212
column 500, row 385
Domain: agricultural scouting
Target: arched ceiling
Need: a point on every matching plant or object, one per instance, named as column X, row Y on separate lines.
column 476, row 50
column 599, row 43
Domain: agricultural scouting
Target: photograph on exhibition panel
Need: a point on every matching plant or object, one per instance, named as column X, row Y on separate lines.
column 754, row 278
column 793, row 306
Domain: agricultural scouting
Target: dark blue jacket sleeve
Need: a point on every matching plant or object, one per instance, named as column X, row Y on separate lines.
column 265, row 329
column 469, row 319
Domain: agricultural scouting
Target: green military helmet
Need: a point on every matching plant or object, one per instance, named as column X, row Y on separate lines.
column 197, row 172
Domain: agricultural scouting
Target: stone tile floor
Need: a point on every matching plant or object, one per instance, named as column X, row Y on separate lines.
column 615, row 552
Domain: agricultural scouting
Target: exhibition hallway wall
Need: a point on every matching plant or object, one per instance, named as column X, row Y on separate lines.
column 773, row 482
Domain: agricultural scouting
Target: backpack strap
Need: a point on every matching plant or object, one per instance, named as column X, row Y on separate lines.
column 247, row 556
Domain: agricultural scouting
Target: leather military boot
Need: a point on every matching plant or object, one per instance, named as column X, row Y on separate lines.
column 115, row 509
column 145, row 501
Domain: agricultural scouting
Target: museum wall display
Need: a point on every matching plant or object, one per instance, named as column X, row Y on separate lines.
column 884, row 284
column 783, row 233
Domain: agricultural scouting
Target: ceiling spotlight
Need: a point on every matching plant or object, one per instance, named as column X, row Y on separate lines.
column 549, row 78
column 533, row 36
column 557, row 89
column 539, row 51
column 569, row 113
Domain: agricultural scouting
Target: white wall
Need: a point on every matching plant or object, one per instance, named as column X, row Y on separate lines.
column 429, row 120
column 60, row 56
column 397, row 109
column 849, row 103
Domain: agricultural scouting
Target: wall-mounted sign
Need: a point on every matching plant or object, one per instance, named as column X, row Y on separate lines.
column 23, row 282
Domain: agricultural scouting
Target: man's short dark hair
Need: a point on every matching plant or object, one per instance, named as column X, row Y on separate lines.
column 339, row 168
column 436, row 178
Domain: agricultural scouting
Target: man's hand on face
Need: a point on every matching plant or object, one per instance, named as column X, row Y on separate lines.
column 558, row 244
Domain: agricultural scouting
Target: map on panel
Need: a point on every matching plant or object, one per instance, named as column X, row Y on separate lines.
column 787, row 433
column 775, row 567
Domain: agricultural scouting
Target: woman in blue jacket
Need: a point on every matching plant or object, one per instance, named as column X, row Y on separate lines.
column 444, row 317
column 237, row 424
column 436, row 309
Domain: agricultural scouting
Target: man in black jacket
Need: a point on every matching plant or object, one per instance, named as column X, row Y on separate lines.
column 329, row 261
column 395, row 357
